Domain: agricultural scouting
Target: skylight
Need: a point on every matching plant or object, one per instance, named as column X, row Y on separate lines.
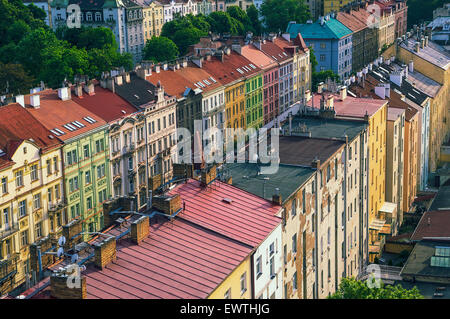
column 89, row 119
column 59, row 131
column 253, row 67
column 240, row 71
column 212, row 79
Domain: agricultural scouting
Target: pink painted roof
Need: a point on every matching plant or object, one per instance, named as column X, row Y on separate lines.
column 351, row 107
column 257, row 57
column 248, row 219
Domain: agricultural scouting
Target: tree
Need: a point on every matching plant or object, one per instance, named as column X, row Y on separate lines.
column 255, row 22
column 351, row 288
column 160, row 49
column 278, row 13
column 185, row 38
column 221, row 22
column 14, row 79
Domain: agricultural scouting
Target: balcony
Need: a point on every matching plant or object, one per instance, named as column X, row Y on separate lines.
column 8, row 267
column 9, row 230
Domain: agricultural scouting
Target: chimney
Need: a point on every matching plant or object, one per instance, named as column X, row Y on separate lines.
column 422, row 43
column 21, row 100
column 276, row 198
column 227, row 51
column 184, row 63
column 343, row 93
column 78, row 90
column 157, row 68
column 126, row 77
column 208, row 57
column 315, row 164
column 429, row 221
column 411, row 66
column 35, row 101
column 164, row 66
column 197, row 61
column 208, row 175
column 380, row 91
column 110, row 84
column 89, row 88
column 105, row 252
column 59, row 286
column 236, row 48
column 287, row 36
column 118, row 80
column 63, row 93
column 140, row 229
column 167, row 204
column 307, row 95
column 71, row 230
column 417, row 46
column 320, row 88
column 396, row 77
column 330, row 102
column 426, row 40
column 258, row 44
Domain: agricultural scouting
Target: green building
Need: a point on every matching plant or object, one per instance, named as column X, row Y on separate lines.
column 254, row 101
column 86, row 166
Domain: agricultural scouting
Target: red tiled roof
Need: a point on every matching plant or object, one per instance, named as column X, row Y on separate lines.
column 193, row 74
column 173, row 82
column 438, row 227
column 248, row 219
column 17, row 125
column 105, row 104
column 162, row 265
column 54, row 113
column 257, row 57
column 351, row 21
column 226, row 72
column 272, row 50
column 351, row 107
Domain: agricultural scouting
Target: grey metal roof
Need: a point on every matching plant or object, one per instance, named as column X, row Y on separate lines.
column 433, row 53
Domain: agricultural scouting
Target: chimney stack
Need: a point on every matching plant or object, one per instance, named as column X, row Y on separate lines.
column 167, row 204
column 320, row 88
column 118, row 80
column 89, row 88
column 343, row 93
column 63, row 93
column 208, row 175
column 417, row 46
column 105, row 252
column 35, row 101
column 315, row 164
column 21, row 100
column 60, row 290
column 140, row 229
column 78, row 90
column 276, row 198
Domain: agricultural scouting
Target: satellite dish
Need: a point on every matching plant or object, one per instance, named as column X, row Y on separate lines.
column 74, row 258
column 60, row 252
column 61, row 241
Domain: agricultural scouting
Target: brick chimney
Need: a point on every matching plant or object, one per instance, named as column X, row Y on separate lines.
column 140, row 229
column 78, row 90
column 276, row 198
column 60, row 290
column 105, row 252
column 315, row 164
column 167, row 204
column 208, row 175
column 70, row 230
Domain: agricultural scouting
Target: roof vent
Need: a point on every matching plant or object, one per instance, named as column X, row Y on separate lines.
column 35, row 101
column 227, row 200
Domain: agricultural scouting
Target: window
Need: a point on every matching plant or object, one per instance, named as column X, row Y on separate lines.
column 100, row 145
column 6, row 217
column 55, row 164
column 101, row 171
column 4, row 185
column 258, row 266
column 243, row 282
column 87, row 178
column 37, row 201
column 294, row 208
column 22, row 208
column 304, row 200
column 38, row 230
column 294, row 281
column 24, row 238
column 272, row 267
column 86, row 151
column 19, row 178
column 294, row 244
column 227, row 294
column 34, row 172
column 89, row 203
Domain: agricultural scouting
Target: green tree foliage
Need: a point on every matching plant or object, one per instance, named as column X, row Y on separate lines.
column 14, row 79
column 420, row 10
column 278, row 13
column 240, row 15
column 186, row 37
column 222, row 22
column 253, row 15
column 31, row 51
column 160, row 49
column 351, row 288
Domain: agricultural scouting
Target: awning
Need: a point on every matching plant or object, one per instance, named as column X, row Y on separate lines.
column 377, row 224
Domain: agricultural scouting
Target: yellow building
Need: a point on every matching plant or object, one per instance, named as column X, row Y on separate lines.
column 153, row 19
column 237, row 285
column 333, row 5
column 432, row 61
column 31, row 189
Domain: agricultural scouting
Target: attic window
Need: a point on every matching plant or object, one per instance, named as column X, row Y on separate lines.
column 284, row 53
column 227, row 200
column 212, row 79
column 136, row 96
column 89, row 119
column 253, row 67
column 124, row 112
column 58, row 131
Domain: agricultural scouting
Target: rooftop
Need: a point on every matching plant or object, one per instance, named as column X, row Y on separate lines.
column 433, row 53
column 137, row 92
column 394, row 113
column 105, row 104
column 17, row 125
column 65, row 119
column 442, row 199
column 331, row 29
column 172, row 81
column 327, row 128
column 228, row 210
column 350, row 21
column 433, row 224
column 420, row 259
column 296, row 150
column 274, row 51
column 258, row 57
column 288, row 179
column 351, row 106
